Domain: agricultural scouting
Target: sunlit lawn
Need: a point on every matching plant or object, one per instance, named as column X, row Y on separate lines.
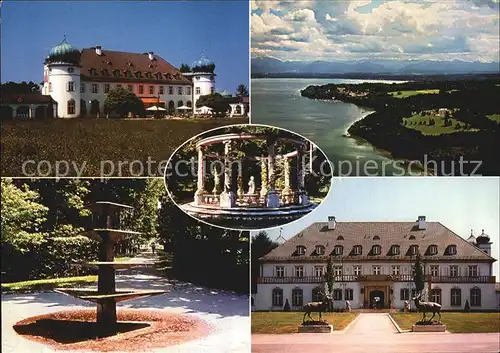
column 414, row 123
column 455, row 322
column 276, row 322
column 494, row 117
column 404, row 94
column 48, row 284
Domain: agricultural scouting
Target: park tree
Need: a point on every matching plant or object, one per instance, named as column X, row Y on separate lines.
column 329, row 275
column 215, row 101
column 122, row 102
column 418, row 274
column 261, row 245
column 184, row 68
column 19, row 87
column 242, row 90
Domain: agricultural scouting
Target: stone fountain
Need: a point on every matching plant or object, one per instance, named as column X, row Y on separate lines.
column 107, row 230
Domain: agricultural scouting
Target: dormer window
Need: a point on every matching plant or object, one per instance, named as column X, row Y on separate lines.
column 357, row 249
column 92, row 72
column 433, row 249
column 158, row 76
column 301, row 250
column 395, row 250
column 148, row 74
column 376, row 249
column 105, row 72
column 412, row 237
column 376, row 237
column 116, row 73
column 320, row 250
column 168, row 76
column 138, row 74
column 340, row 237
column 338, row 250
column 452, row 250
column 413, row 249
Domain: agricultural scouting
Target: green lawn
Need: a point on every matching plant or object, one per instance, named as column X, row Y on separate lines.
column 88, row 142
column 122, row 259
column 405, row 94
column 455, row 322
column 48, row 284
column 275, row 322
column 413, row 122
column 494, row 117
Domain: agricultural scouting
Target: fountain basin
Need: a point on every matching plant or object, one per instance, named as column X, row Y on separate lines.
column 118, row 296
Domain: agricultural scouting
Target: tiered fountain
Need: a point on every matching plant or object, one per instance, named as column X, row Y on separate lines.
column 107, row 230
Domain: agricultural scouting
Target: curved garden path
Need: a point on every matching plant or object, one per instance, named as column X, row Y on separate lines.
column 227, row 312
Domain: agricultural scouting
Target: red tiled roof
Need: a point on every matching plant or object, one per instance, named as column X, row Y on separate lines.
column 108, row 61
column 26, row 98
column 403, row 234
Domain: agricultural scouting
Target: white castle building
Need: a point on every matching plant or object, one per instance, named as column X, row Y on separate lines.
column 80, row 80
column 373, row 265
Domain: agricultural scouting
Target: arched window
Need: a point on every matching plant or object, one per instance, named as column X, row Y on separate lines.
column 180, row 103
column 189, row 104
column 297, row 297
column 475, row 296
column 436, row 295
column 357, row 250
column 376, row 237
column 320, row 250
column 338, row 250
column 395, row 250
column 412, row 237
column 171, row 106
column 316, row 294
column 300, row 250
column 433, row 249
column 340, row 237
column 376, row 250
column 83, row 107
column 456, row 297
column 277, row 297
column 71, row 106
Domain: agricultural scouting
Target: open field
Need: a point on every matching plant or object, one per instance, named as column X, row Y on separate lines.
column 455, row 322
column 48, row 284
column 85, row 144
column 277, row 322
column 494, row 117
column 404, row 94
column 414, row 121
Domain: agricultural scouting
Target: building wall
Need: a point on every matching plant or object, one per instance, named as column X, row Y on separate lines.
column 166, row 97
column 59, row 77
column 205, row 82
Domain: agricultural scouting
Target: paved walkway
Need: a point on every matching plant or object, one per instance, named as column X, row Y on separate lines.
column 375, row 333
column 226, row 311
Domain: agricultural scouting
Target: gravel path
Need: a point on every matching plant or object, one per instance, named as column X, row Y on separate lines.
column 227, row 312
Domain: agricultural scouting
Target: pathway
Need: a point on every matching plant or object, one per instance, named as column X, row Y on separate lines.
column 375, row 333
column 226, row 311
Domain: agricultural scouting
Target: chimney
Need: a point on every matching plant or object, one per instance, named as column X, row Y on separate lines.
column 331, row 223
column 98, row 50
column 421, row 222
column 151, row 56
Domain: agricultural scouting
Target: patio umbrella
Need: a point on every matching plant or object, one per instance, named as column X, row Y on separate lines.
column 156, row 109
column 184, row 108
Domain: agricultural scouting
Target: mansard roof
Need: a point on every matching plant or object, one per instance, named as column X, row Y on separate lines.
column 102, row 67
column 404, row 234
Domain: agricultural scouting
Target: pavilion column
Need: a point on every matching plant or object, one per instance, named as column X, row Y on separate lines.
column 286, row 193
column 227, row 199
column 263, row 178
column 241, row 191
column 200, row 190
column 273, row 200
column 301, row 176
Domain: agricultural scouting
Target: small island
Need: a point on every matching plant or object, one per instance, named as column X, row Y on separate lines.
column 437, row 120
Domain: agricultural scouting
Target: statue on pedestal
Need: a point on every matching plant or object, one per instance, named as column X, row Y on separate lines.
column 251, row 186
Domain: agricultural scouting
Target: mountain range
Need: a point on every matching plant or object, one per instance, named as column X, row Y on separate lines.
column 269, row 65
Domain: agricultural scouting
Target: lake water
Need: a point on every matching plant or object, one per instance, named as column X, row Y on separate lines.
column 278, row 102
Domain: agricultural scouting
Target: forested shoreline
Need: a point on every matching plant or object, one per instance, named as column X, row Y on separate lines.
column 472, row 101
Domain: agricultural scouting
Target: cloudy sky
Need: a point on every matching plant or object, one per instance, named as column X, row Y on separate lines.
column 377, row 29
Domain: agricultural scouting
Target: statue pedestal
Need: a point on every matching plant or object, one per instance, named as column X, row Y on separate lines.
column 429, row 328
column 227, row 200
column 315, row 328
column 273, row 200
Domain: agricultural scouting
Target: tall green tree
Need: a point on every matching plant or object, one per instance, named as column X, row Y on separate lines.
column 329, row 275
column 418, row 274
column 122, row 102
column 19, row 87
column 184, row 68
column 242, row 90
column 215, row 101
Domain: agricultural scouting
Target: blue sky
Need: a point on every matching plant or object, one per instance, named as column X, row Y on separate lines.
column 376, row 29
column 459, row 203
column 177, row 31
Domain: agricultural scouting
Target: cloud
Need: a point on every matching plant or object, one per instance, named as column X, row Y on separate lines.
column 397, row 29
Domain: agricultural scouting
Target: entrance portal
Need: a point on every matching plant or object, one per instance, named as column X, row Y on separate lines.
column 376, row 299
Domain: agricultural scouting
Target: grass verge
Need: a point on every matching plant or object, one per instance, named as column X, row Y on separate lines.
column 47, row 284
column 455, row 322
column 277, row 322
